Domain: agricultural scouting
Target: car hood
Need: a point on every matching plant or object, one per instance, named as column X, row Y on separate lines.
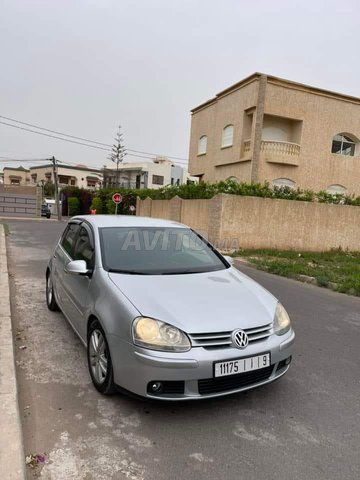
column 201, row 302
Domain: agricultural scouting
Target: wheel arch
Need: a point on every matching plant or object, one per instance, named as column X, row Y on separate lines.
column 90, row 319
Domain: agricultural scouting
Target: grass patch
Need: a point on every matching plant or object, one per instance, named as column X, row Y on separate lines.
column 6, row 229
column 334, row 267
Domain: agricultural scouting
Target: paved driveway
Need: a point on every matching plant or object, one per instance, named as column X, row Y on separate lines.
column 305, row 426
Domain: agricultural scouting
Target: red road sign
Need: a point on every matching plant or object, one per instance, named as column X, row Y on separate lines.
column 117, row 198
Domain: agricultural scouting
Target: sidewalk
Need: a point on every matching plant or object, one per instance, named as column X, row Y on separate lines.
column 37, row 219
column 12, row 464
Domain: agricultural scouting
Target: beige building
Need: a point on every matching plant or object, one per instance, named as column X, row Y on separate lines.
column 265, row 128
column 16, row 176
column 77, row 176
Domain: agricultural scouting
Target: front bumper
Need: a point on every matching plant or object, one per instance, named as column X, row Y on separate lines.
column 135, row 368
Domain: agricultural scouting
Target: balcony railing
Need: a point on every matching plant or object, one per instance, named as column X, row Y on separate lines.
column 280, row 148
column 247, row 147
column 274, row 151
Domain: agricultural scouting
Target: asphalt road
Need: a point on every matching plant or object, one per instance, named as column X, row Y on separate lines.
column 304, row 426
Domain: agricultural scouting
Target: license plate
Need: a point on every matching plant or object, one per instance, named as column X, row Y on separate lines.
column 242, row 365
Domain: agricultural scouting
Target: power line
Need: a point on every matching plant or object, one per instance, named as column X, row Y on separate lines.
column 157, row 155
column 53, row 136
column 79, row 138
column 54, row 131
column 12, row 159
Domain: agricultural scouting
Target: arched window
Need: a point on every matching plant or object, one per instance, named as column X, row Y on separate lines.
column 233, row 179
column 202, row 146
column 343, row 145
column 227, row 136
column 283, row 182
column 336, row 189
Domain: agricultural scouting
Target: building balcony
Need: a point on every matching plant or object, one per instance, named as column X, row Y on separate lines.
column 274, row 151
column 246, row 151
column 280, row 152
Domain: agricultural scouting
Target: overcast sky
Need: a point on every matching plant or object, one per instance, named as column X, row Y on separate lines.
column 84, row 66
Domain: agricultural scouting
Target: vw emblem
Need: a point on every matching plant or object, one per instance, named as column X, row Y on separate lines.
column 240, row 338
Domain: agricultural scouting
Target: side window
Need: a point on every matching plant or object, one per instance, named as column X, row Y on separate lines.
column 69, row 237
column 83, row 249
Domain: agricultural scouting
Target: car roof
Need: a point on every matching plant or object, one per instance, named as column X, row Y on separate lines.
column 101, row 221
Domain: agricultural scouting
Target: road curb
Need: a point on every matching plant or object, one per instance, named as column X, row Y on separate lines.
column 12, row 462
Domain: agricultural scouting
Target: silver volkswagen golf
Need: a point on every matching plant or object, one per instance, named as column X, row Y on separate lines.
column 162, row 313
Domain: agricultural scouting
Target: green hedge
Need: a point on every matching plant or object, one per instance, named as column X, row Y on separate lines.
column 97, row 205
column 208, row 190
column 102, row 199
column 73, row 206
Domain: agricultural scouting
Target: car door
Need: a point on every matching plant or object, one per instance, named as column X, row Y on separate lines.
column 62, row 256
column 77, row 286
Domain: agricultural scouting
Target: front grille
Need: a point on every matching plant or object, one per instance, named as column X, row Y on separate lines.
column 223, row 339
column 232, row 382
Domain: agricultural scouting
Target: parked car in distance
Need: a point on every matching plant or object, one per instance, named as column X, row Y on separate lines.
column 162, row 313
column 45, row 211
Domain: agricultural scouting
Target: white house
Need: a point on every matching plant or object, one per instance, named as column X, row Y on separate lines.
column 161, row 172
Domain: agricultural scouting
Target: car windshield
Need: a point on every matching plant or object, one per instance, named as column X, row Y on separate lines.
column 156, row 251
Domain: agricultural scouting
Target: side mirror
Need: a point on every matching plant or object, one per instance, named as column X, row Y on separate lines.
column 77, row 267
column 229, row 259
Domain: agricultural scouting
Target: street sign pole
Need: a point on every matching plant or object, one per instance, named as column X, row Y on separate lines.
column 116, row 198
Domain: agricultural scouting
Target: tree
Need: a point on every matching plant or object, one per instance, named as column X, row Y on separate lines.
column 118, row 152
column 48, row 189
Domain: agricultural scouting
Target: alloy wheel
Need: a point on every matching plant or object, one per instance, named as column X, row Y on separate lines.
column 98, row 356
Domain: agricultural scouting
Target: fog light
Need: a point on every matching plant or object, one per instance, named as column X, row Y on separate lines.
column 156, row 387
column 288, row 360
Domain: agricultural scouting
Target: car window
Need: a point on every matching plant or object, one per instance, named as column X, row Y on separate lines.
column 83, row 249
column 157, row 251
column 69, row 237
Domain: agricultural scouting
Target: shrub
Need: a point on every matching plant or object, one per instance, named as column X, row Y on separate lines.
column 203, row 190
column 73, row 206
column 84, row 196
column 97, row 205
column 110, row 207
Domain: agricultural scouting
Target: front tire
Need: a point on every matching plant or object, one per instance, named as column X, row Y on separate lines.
column 99, row 360
column 50, row 297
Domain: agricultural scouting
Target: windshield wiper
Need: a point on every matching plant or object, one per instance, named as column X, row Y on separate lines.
column 189, row 271
column 128, row 272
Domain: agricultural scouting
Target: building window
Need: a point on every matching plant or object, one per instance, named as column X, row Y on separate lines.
column 343, row 145
column 336, row 190
column 73, row 183
column 90, row 183
column 158, row 180
column 202, row 145
column 63, row 180
column 15, row 181
column 283, row 182
column 227, row 136
column 34, row 177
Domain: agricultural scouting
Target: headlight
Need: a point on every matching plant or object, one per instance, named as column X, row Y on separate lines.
column 158, row 335
column 281, row 320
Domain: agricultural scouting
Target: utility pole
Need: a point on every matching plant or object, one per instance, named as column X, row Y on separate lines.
column 57, row 201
